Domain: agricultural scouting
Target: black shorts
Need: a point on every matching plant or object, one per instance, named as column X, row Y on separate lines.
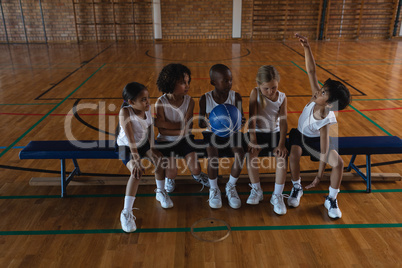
column 267, row 141
column 125, row 155
column 310, row 145
column 234, row 141
column 176, row 148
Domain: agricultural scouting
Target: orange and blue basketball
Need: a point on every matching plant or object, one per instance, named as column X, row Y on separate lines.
column 225, row 119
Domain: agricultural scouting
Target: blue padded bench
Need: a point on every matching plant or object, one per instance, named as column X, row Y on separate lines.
column 105, row 150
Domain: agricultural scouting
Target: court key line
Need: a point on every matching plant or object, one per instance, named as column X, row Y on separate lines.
column 46, row 115
column 351, row 106
column 209, row 229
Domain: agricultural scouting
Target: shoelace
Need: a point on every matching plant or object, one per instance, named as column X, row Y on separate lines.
column 295, row 190
column 231, row 190
column 203, row 180
column 214, row 194
column 164, row 193
column 254, row 192
column 278, row 197
column 333, row 202
column 130, row 214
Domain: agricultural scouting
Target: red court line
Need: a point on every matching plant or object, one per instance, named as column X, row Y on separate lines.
column 289, row 112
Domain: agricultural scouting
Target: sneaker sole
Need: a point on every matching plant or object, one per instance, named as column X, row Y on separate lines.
column 126, row 231
column 215, row 207
column 234, row 207
column 258, row 201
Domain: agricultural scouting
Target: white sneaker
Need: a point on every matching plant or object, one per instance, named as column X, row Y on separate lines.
column 256, row 196
column 203, row 179
column 279, row 205
column 233, row 197
column 163, row 197
column 170, row 184
column 295, row 195
column 127, row 221
column 215, row 199
column 333, row 210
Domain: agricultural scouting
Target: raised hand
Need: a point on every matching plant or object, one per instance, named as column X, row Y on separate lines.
column 303, row 40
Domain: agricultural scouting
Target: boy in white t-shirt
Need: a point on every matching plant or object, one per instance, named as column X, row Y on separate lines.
column 312, row 134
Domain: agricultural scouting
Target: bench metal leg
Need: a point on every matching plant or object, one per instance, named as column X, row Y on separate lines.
column 368, row 173
column 66, row 180
column 352, row 160
column 63, row 178
column 366, row 177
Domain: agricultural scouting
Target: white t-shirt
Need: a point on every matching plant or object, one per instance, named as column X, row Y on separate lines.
column 309, row 126
column 211, row 104
column 268, row 118
column 173, row 114
column 140, row 128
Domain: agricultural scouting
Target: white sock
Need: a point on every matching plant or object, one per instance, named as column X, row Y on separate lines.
column 160, row 184
column 129, row 202
column 298, row 181
column 197, row 177
column 278, row 188
column 333, row 193
column 233, row 180
column 213, row 183
column 256, row 185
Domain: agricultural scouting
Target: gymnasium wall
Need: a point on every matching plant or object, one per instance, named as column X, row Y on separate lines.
column 40, row 21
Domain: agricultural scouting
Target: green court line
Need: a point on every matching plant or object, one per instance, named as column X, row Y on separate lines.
column 375, row 99
column 46, row 115
column 188, row 194
column 365, row 116
column 377, row 125
column 28, row 103
column 208, row 229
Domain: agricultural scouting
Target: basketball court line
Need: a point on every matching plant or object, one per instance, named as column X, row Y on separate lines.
column 188, row 194
column 67, row 76
column 208, row 229
column 54, row 108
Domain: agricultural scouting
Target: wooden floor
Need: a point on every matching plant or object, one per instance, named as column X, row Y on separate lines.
column 40, row 86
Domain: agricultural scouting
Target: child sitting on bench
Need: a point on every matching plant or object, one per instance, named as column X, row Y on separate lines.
column 312, row 134
column 133, row 141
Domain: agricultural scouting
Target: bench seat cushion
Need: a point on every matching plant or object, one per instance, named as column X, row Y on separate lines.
column 67, row 150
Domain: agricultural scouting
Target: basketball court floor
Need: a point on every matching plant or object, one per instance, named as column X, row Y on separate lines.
column 57, row 91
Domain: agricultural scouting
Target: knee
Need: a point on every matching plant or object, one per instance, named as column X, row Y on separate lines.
column 340, row 164
column 280, row 162
column 294, row 157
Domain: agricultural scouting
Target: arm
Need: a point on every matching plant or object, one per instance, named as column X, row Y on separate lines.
column 281, row 150
column 324, row 144
column 126, row 124
column 253, row 109
column 238, row 101
column 203, row 120
column 310, row 64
